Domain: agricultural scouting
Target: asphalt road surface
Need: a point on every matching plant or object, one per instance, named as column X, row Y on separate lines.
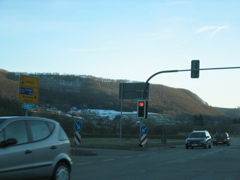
column 218, row 163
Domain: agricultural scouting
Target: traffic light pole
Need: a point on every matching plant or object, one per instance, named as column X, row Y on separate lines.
column 141, row 124
column 174, row 71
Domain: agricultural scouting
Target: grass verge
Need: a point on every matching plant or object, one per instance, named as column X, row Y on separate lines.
column 122, row 144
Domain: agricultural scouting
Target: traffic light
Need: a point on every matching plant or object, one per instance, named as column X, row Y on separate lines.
column 142, row 109
column 195, row 64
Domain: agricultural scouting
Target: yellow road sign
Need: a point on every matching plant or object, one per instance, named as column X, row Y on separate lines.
column 28, row 89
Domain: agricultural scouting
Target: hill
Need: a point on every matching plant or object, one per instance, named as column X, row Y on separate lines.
column 88, row 92
column 233, row 113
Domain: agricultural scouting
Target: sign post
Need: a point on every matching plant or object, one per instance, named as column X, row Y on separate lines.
column 77, row 138
column 28, row 106
column 28, row 92
column 144, row 129
column 78, row 126
column 132, row 91
column 28, row 89
column 77, row 134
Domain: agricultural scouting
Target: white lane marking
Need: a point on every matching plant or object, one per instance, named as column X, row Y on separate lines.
column 80, row 164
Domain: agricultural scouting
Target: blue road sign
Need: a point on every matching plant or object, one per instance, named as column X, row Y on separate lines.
column 78, row 126
column 28, row 106
column 144, row 129
column 27, row 91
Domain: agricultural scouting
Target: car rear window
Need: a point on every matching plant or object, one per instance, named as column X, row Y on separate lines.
column 221, row 135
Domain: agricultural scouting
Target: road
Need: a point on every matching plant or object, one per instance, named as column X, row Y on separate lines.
column 218, row 163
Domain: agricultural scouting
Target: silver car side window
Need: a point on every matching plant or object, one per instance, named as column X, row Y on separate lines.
column 39, row 130
column 62, row 135
column 16, row 130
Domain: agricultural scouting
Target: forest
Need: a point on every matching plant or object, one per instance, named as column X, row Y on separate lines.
column 62, row 92
column 88, row 92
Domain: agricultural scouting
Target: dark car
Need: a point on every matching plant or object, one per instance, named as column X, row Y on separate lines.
column 221, row 138
column 199, row 139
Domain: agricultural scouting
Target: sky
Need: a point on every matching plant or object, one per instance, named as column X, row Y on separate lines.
column 129, row 40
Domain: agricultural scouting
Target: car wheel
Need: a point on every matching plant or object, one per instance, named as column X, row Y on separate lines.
column 61, row 172
column 186, row 147
column 209, row 146
column 228, row 144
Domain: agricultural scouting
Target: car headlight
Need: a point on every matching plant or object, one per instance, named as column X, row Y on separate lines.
column 204, row 141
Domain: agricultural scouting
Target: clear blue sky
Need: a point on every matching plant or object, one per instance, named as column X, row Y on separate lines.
column 127, row 39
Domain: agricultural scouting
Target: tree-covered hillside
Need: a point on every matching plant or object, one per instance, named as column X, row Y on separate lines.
column 66, row 91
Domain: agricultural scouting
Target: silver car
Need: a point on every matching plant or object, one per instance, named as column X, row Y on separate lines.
column 33, row 148
column 199, row 139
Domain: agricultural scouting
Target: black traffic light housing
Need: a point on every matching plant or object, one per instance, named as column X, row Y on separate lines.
column 142, row 109
column 195, row 64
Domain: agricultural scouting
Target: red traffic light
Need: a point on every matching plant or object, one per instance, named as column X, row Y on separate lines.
column 142, row 109
column 141, row 103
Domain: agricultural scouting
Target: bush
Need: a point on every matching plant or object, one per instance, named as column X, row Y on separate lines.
column 10, row 108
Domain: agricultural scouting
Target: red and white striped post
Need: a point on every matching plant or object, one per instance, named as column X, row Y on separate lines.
column 77, row 138
column 144, row 139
